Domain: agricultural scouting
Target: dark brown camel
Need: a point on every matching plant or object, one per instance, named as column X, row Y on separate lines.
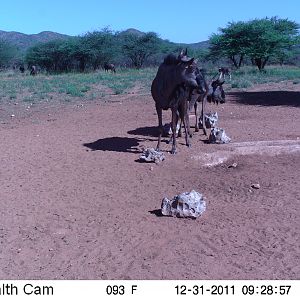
column 170, row 89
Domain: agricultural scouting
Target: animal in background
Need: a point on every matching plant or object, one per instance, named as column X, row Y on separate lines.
column 108, row 67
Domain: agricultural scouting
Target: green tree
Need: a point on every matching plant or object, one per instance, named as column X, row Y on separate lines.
column 51, row 56
column 100, row 47
column 232, row 43
column 60, row 55
column 79, row 52
column 7, row 53
column 259, row 39
column 139, row 48
column 270, row 38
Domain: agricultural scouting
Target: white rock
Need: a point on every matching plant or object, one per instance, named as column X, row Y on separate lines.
column 210, row 120
column 255, row 186
column 234, row 165
column 186, row 204
column 218, row 136
column 151, row 155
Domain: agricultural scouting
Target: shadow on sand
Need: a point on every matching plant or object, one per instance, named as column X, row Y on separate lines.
column 145, row 131
column 117, row 144
column 274, row 98
column 156, row 212
column 150, row 133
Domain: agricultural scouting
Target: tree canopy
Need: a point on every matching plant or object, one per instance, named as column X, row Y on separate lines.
column 7, row 53
column 259, row 39
column 93, row 50
column 139, row 48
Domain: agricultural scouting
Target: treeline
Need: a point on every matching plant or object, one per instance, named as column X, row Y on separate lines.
column 92, row 51
column 258, row 42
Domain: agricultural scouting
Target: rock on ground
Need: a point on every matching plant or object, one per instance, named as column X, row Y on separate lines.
column 218, row 136
column 210, row 119
column 151, row 155
column 186, row 204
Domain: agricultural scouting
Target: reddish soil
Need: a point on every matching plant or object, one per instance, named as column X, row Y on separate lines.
column 76, row 203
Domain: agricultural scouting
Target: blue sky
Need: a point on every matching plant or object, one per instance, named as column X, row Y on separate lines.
column 188, row 21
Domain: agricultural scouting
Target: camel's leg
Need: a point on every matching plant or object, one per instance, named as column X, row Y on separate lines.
column 196, row 115
column 202, row 115
column 180, row 126
column 174, row 123
column 179, row 122
column 186, row 122
column 160, row 127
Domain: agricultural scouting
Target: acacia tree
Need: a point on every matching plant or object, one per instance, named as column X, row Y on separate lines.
column 232, row 43
column 100, row 46
column 259, row 39
column 7, row 53
column 59, row 55
column 52, row 56
column 270, row 38
column 139, row 48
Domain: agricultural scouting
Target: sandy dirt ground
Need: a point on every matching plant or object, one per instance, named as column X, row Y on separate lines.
column 77, row 204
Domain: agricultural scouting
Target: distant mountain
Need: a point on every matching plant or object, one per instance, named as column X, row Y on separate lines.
column 24, row 41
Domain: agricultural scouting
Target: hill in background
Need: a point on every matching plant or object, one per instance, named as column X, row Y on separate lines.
column 24, row 41
column 195, row 46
